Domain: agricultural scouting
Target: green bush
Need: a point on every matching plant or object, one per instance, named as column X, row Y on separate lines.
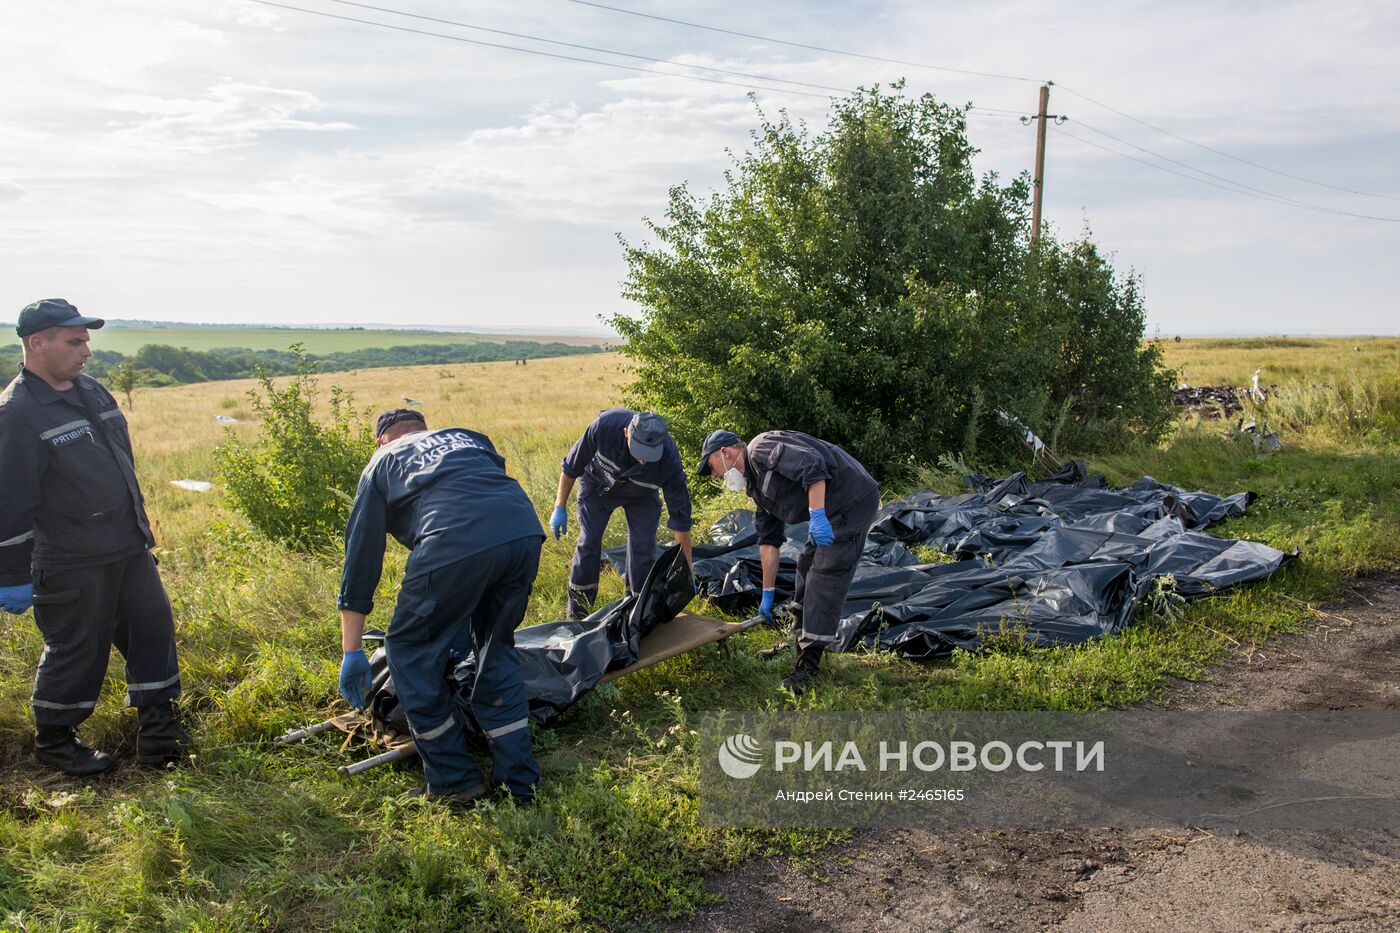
column 865, row 286
column 296, row 483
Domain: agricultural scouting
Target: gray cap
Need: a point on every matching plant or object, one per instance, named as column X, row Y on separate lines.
column 646, row 435
column 52, row 312
column 393, row 416
column 716, row 440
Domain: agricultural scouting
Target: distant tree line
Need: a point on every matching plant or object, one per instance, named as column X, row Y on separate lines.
column 160, row 365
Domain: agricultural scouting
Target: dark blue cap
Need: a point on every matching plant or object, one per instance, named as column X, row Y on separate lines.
column 52, row 312
column 715, row 441
column 391, row 418
column 645, row 436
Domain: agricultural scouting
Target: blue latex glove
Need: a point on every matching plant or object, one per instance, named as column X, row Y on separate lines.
column 16, row 599
column 355, row 678
column 558, row 521
column 765, row 606
column 820, row 529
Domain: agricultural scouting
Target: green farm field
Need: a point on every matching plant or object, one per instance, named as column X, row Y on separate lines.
column 249, row 836
column 1289, row 361
column 127, row 340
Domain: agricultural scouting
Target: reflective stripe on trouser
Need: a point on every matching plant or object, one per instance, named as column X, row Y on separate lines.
column 480, row 599
column 824, row 574
column 82, row 613
column 643, row 516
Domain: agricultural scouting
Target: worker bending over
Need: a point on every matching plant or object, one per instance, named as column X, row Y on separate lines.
column 621, row 461
column 793, row 477
column 475, row 543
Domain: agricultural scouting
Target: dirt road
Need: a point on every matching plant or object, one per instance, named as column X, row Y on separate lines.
column 1102, row 880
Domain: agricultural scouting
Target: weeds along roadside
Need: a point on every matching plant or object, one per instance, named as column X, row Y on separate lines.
column 248, row 836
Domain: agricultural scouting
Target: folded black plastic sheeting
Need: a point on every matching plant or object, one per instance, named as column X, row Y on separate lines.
column 731, row 576
column 561, row 660
column 1061, row 560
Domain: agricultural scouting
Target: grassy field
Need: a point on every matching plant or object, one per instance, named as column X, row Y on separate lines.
column 248, row 836
column 1291, row 361
column 128, row 340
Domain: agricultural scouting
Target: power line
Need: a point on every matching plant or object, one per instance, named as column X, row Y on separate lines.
column 802, row 45
column 1220, row 152
column 1229, row 184
column 515, row 48
column 1235, row 190
column 1014, row 113
column 587, row 48
column 987, row 74
column 1201, row 171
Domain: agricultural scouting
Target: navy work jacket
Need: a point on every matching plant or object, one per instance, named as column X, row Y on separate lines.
column 68, row 491
column 780, row 465
column 444, row 495
column 603, row 465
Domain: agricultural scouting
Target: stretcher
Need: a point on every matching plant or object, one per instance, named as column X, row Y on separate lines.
column 685, row 633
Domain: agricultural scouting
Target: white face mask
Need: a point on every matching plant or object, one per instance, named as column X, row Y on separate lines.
column 734, row 480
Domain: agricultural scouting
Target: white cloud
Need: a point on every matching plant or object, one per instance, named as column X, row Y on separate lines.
column 609, row 164
column 255, row 156
column 230, row 115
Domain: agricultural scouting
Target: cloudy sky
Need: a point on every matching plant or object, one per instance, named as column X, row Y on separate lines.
column 226, row 161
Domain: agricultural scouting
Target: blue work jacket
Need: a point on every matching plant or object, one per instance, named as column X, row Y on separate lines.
column 603, row 465
column 444, row 495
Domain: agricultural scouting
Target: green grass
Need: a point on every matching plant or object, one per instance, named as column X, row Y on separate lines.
column 249, row 836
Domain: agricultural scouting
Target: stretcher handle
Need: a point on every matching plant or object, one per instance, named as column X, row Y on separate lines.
column 407, row 750
column 296, row 736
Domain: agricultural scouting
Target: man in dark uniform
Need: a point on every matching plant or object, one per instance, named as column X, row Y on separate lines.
column 620, row 461
column 793, row 477
column 75, row 542
column 475, row 542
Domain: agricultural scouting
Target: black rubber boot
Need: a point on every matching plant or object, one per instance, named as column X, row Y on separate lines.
column 808, row 667
column 59, row 747
column 161, row 739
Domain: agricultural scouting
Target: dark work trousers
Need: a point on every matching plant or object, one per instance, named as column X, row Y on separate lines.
column 824, row 574
column 82, row 613
column 479, row 600
column 643, row 516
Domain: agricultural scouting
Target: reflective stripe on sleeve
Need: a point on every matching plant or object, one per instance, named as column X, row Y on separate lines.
column 17, row 539
column 110, row 414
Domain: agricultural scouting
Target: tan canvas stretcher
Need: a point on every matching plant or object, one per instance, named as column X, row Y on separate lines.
column 686, row 632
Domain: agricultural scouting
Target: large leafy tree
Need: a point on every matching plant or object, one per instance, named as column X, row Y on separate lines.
column 865, row 286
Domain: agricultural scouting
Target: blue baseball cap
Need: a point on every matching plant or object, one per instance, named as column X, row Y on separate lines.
column 52, row 312
column 717, row 440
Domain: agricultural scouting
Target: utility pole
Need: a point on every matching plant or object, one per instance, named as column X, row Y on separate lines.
column 1041, row 118
column 1039, row 163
